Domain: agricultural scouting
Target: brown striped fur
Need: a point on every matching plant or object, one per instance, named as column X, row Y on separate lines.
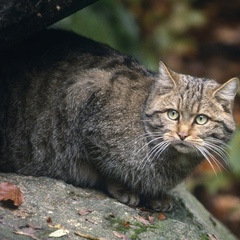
column 77, row 110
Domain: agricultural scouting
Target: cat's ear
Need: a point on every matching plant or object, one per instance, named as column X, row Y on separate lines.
column 228, row 90
column 168, row 78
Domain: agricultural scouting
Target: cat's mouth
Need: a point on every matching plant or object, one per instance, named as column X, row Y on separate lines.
column 183, row 146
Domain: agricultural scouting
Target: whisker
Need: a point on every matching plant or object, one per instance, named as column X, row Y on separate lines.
column 135, row 141
column 215, row 146
column 220, row 142
column 144, row 136
column 219, row 151
column 159, row 148
column 152, row 154
column 147, row 144
column 216, row 161
column 202, row 150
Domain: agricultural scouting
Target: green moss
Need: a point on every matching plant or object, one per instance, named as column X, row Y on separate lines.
column 141, row 228
column 189, row 214
column 204, row 237
column 134, row 228
column 119, row 225
column 74, row 195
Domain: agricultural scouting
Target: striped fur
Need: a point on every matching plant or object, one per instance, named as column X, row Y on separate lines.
column 77, row 110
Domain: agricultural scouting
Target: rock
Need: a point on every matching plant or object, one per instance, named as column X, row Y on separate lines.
column 51, row 205
column 21, row 18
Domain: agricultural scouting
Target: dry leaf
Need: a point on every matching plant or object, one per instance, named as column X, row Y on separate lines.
column 58, row 226
column 142, row 220
column 111, row 215
column 58, row 233
column 29, row 225
column 49, row 221
column 120, row 235
column 28, row 230
column 161, row 216
column 126, row 224
column 150, row 219
column 52, row 225
column 9, row 191
column 91, row 221
column 212, row 236
column 85, row 212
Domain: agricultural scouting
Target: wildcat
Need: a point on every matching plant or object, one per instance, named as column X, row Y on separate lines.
column 80, row 111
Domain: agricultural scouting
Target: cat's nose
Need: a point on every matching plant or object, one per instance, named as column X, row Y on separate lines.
column 182, row 135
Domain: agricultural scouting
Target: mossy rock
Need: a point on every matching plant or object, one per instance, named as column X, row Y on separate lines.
column 50, row 203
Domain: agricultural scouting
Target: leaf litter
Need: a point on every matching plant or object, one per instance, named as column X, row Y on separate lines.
column 9, row 191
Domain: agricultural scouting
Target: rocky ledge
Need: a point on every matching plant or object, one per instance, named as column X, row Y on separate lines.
column 54, row 209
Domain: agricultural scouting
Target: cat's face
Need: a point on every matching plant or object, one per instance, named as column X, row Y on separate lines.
column 192, row 115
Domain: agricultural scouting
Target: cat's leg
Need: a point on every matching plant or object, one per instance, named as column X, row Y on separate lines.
column 123, row 194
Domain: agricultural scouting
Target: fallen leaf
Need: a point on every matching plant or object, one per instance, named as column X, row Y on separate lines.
column 52, row 225
column 142, row 220
column 58, row 233
column 212, row 236
column 9, row 191
column 126, row 224
column 120, row 235
column 91, row 221
column 28, row 230
column 150, row 219
column 49, row 221
column 33, row 226
column 84, row 212
column 111, row 215
column 161, row 216
column 58, row 226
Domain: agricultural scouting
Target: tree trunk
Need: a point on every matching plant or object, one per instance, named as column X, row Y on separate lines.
column 21, row 18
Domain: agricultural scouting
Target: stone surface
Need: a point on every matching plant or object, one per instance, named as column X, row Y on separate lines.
column 50, row 203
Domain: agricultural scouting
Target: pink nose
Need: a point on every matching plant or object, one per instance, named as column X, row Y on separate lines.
column 182, row 135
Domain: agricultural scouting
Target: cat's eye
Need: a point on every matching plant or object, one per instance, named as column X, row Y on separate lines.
column 201, row 119
column 173, row 114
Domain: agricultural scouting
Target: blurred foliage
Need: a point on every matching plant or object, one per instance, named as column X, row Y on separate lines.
column 234, row 154
column 159, row 30
column 197, row 37
column 106, row 21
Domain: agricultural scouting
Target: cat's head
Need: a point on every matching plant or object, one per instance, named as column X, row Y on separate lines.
column 193, row 115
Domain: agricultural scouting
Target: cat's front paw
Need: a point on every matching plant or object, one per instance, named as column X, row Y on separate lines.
column 165, row 204
column 129, row 198
column 124, row 195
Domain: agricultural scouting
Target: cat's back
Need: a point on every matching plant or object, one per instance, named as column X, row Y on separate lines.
column 60, row 58
column 56, row 78
column 53, row 60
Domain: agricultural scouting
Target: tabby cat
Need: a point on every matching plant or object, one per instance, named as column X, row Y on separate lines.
column 80, row 111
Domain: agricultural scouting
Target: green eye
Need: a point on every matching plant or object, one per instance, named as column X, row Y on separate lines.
column 201, row 119
column 173, row 114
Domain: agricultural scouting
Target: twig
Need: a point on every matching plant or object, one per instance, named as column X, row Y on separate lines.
column 86, row 236
column 27, row 234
